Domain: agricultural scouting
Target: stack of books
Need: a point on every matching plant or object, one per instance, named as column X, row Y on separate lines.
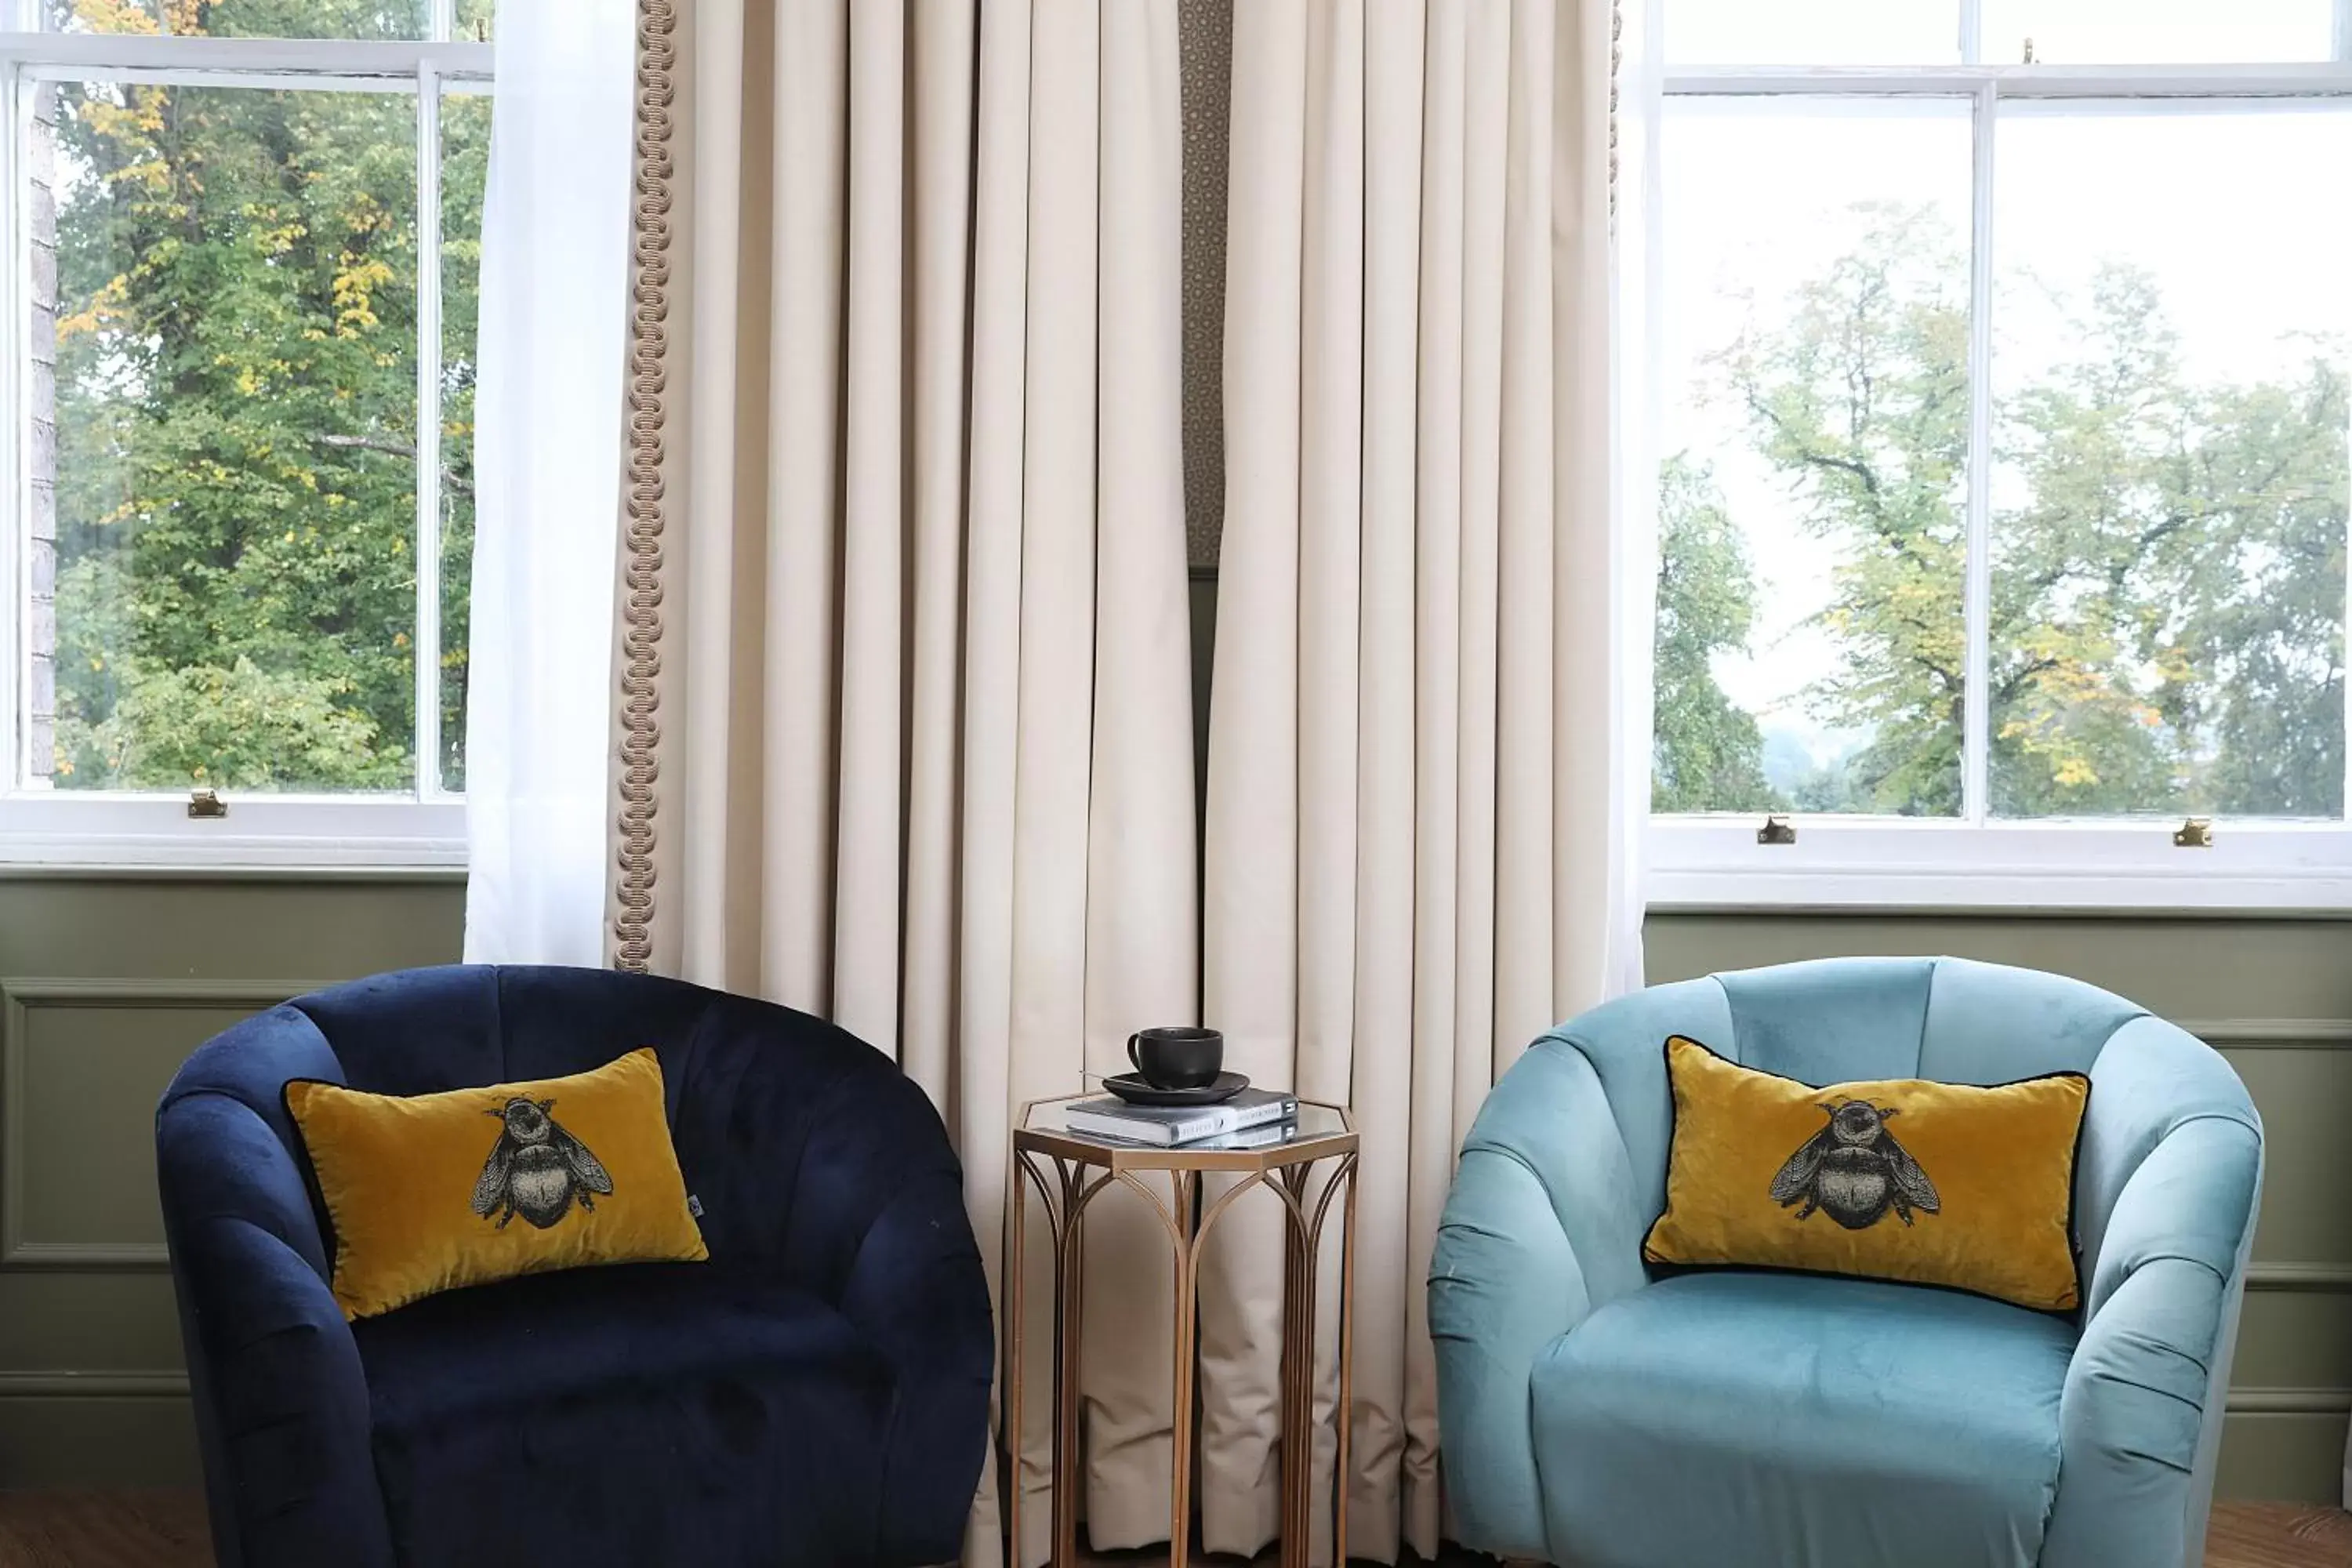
column 1253, row 1119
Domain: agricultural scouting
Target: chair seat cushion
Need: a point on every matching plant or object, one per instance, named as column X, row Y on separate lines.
column 1785, row 1421
column 643, row 1413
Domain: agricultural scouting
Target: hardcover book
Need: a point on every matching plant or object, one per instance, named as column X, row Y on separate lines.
column 1168, row 1125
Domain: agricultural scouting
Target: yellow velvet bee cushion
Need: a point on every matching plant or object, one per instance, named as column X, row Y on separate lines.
column 431, row 1192
column 1931, row 1184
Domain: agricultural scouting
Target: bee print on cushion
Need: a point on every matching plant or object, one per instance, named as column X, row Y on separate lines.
column 537, row 1168
column 1853, row 1171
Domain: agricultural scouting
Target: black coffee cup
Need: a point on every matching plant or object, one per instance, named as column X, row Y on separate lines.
column 1177, row 1057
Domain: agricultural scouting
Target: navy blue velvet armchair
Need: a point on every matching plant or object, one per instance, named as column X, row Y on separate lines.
column 816, row 1394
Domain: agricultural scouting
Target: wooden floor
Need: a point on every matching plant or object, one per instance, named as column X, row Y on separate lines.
column 2244, row 1535
column 2276, row 1535
column 166, row 1530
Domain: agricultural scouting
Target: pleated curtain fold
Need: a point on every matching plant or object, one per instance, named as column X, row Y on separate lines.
column 1421, row 837
column 904, row 731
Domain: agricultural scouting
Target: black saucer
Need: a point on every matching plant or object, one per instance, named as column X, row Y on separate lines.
column 1131, row 1087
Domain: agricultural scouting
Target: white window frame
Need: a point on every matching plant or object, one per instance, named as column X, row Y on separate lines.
column 422, row 828
column 1718, row 861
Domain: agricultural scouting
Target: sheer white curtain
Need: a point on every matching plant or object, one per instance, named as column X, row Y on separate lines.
column 1426, row 780
column 555, row 232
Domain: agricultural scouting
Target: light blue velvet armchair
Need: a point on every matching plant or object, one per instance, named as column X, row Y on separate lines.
column 1595, row 1415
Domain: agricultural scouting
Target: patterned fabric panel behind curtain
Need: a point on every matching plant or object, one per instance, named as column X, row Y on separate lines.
column 1420, row 839
column 903, row 731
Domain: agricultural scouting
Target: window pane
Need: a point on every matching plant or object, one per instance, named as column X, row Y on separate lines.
column 245, row 19
column 104, row 16
column 2168, row 504
column 1813, row 32
column 233, row 462
column 465, row 166
column 2130, row 32
column 1814, row 443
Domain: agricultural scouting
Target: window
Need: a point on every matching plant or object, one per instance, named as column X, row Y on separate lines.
column 2002, row 360
column 246, row 236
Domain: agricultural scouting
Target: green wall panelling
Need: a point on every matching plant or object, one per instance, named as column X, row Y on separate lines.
column 2282, row 1456
column 107, row 983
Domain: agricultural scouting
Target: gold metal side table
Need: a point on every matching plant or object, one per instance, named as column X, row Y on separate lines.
column 1082, row 1165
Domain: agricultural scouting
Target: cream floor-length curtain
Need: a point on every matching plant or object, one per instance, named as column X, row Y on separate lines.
column 1420, row 820
column 904, row 735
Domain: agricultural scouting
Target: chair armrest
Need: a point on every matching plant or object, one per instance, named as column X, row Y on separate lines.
column 1543, row 1225
column 281, row 1401
column 918, row 1291
column 2140, row 1417
column 879, row 1228
column 818, row 1162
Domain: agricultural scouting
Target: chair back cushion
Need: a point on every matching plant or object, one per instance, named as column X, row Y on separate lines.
column 795, row 1134
column 1954, row 1020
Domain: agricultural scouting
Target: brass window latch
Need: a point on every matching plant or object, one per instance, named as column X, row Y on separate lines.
column 1777, row 830
column 207, row 803
column 2197, row 833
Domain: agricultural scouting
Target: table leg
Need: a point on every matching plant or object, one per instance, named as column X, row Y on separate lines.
column 1014, row 1267
column 1185, row 1187
column 1069, row 1334
column 1297, row 1403
column 1344, row 1416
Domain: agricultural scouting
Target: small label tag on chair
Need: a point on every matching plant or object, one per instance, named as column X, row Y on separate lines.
column 694, row 1206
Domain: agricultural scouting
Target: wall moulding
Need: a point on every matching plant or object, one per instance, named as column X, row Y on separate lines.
column 19, row 996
